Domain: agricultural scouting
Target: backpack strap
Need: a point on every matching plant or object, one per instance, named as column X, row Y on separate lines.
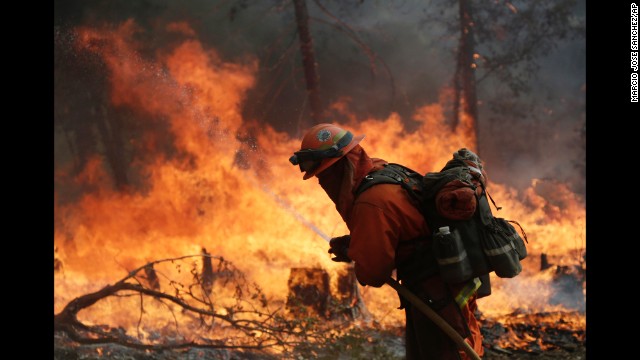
column 490, row 198
column 421, row 263
column 392, row 173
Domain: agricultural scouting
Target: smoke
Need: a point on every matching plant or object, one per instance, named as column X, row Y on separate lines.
column 537, row 293
column 374, row 58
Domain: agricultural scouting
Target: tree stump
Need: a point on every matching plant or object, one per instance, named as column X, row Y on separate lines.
column 308, row 291
column 544, row 262
column 348, row 297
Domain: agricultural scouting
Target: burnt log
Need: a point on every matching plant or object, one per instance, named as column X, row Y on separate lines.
column 544, row 262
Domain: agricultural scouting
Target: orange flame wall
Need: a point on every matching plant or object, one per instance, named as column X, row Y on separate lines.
column 210, row 202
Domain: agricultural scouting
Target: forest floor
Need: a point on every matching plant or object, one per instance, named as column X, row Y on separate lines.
column 378, row 346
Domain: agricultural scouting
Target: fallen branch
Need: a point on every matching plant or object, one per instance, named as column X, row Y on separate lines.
column 254, row 325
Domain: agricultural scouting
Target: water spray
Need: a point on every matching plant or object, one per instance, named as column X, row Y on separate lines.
column 285, row 205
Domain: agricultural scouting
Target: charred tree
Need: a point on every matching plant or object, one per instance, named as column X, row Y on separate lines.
column 500, row 45
column 308, row 62
column 110, row 130
column 207, row 272
column 85, row 117
column 72, row 115
column 85, row 141
column 465, row 114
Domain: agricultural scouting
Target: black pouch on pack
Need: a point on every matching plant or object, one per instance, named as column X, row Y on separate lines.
column 485, row 286
column 503, row 247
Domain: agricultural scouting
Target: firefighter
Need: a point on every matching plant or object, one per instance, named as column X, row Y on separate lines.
column 385, row 229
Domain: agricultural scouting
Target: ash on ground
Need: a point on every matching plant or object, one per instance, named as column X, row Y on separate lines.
column 544, row 343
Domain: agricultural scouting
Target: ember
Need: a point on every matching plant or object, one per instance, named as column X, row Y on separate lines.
column 535, row 333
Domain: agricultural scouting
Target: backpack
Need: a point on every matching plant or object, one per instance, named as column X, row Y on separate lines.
column 485, row 243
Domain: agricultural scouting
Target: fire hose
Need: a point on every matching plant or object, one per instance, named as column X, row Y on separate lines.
column 433, row 316
column 425, row 309
column 401, row 289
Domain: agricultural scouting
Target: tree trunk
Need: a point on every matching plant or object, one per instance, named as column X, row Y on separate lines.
column 465, row 106
column 308, row 62
column 207, row 272
column 85, row 142
column 109, row 128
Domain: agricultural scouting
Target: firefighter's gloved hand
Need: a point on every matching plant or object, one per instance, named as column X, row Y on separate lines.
column 339, row 247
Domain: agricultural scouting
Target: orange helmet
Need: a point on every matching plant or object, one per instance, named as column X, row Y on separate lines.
column 321, row 147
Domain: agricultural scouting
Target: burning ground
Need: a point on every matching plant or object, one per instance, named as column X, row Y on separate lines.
column 209, row 178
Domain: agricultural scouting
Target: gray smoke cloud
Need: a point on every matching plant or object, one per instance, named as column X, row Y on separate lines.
column 413, row 60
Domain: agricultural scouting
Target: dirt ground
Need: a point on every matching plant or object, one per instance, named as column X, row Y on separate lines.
column 67, row 350
column 579, row 353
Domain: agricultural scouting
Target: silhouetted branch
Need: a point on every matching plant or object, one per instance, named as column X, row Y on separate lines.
column 253, row 324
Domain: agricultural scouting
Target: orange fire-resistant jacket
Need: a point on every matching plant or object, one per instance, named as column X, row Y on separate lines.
column 379, row 220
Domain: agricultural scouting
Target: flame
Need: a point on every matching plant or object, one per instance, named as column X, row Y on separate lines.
column 207, row 200
column 523, row 330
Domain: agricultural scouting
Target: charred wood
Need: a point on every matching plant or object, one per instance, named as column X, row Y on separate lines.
column 308, row 291
column 207, row 272
column 152, row 277
column 544, row 262
column 308, row 62
column 348, row 296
